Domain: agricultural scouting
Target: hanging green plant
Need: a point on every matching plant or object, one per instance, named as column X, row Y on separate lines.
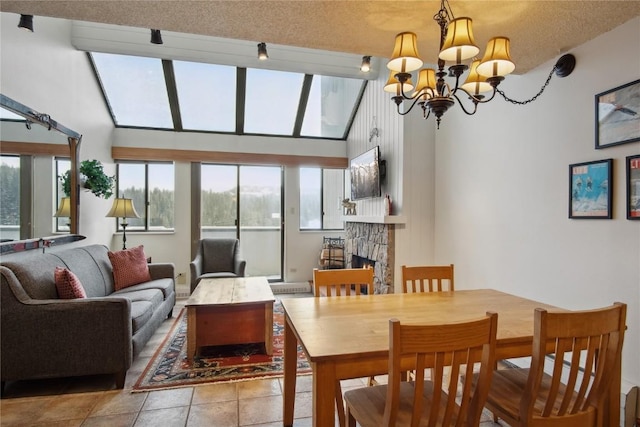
column 92, row 178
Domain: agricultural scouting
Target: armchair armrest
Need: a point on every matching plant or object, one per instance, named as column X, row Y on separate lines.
column 239, row 266
column 195, row 268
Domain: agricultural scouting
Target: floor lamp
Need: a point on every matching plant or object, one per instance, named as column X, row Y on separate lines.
column 64, row 209
column 123, row 208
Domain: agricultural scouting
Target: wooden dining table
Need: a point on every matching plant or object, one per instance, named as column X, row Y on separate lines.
column 348, row 337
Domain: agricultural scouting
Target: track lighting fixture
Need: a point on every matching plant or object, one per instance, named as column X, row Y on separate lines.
column 26, row 22
column 262, row 51
column 365, row 67
column 156, row 37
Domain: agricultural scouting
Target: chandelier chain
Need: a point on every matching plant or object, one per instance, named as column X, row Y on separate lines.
column 515, row 101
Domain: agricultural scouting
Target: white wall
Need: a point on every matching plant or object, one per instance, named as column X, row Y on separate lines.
column 502, row 191
column 40, row 70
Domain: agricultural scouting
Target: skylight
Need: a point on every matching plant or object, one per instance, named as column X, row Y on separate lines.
column 189, row 96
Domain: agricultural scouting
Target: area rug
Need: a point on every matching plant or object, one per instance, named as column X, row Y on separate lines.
column 169, row 367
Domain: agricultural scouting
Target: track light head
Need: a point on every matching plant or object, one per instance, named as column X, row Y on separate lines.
column 156, row 37
column 262, row 51
column 26, row 22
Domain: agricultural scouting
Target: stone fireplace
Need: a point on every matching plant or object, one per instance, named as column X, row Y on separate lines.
column 372, row 242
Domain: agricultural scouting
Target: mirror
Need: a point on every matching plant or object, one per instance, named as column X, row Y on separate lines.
column 30, row 142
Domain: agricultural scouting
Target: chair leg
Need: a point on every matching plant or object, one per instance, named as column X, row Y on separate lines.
column 371, row 381
column 340, row 405
column 351, row 421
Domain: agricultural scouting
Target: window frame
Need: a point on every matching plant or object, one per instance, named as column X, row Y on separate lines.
column 147, row 202
column 323, row 207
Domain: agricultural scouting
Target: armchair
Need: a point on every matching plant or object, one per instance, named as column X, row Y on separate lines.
column 216, row 258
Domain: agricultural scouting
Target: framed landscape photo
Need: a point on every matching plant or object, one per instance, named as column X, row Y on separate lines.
column 618, row 115
column 590, row 185
column 633, row 187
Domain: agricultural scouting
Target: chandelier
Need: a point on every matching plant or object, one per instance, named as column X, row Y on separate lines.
column 457, row 44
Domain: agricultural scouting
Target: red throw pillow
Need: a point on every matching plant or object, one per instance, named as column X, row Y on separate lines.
column 68, row 284
column 129, row 267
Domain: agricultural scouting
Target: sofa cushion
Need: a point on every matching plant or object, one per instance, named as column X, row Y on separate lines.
column 141, row 312
column 165, row 286
column 129, row 267
column 154, row 296
column 68, row 284
column 92, row 266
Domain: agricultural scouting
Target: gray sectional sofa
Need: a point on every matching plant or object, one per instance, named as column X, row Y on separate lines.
column 43, row 336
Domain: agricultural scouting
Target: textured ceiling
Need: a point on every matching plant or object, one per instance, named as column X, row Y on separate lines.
column 539, row 30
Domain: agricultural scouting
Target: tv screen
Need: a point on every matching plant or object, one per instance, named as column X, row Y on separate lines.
column 365, row 175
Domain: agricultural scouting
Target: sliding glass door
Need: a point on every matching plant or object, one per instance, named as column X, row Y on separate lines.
column 246, row 202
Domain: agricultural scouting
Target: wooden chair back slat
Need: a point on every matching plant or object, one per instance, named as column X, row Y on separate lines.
column 435, row 278
column 586, row 347
column 342, row 282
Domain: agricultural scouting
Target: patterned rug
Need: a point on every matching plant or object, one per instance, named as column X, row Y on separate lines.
column 169, row 367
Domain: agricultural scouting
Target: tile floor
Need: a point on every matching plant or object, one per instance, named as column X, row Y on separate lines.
column 94, row 401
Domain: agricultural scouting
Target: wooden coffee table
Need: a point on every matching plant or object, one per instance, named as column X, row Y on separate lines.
column 230, row 311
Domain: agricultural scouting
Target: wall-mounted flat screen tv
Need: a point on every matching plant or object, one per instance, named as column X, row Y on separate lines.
column 365, row 171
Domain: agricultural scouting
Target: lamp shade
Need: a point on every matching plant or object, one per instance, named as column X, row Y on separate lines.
column 405, row 58
column 393, row 85
column 475, row 83
column 426, row 87
column 497, row 59
column 459, row 43
column 64, row 208
column 123, row 208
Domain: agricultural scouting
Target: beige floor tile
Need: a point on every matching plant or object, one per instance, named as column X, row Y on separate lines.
column 215, row 393
column 304, row 405
column 119, row 420
column 69, row 407
column 218, row 414
column 168, row 398
column 64, row 423
column 259, row 388
column 118, row 402
column 14, row 412
column 260, row 410
column 169, row 417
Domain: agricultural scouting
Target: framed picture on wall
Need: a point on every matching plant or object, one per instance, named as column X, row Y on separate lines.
column 590, row 189
column 618, row 115
column 633, row 187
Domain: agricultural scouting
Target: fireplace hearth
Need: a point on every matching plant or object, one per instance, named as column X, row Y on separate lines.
column 375, row 243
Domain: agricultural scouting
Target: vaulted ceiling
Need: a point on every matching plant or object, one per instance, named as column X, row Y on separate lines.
column 539, row 30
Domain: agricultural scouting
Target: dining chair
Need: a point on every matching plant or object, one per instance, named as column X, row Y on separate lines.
column 427, row 278
column 584, row 348
column 443, row 400
column 342, row 282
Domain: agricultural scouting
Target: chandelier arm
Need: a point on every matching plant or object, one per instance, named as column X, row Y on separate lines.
column 475, row 105
column 527, row 101
column 413, row 104
column 479, row 99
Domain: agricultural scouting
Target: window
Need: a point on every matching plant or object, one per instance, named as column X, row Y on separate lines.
column 62, row 165
column 150, row 185
column 321, row 191
column 10, row 198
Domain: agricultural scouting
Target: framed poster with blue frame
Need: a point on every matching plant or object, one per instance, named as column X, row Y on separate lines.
column 590, row 185
column 633, row 187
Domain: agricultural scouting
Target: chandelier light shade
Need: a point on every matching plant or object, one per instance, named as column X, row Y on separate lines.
column 497, row 58
column 426, row 84
column 433, row 93
column 64, row 208
column 405, row 58
column 475, row 83
column 393, row 85
column 262, row 52
column 123, row 208
column 26, row 22
column 459, row 44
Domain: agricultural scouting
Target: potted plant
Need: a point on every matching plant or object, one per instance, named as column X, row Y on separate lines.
column 92, row 178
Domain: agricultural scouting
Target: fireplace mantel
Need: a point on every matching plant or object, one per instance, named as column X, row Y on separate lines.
column 376, row 219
